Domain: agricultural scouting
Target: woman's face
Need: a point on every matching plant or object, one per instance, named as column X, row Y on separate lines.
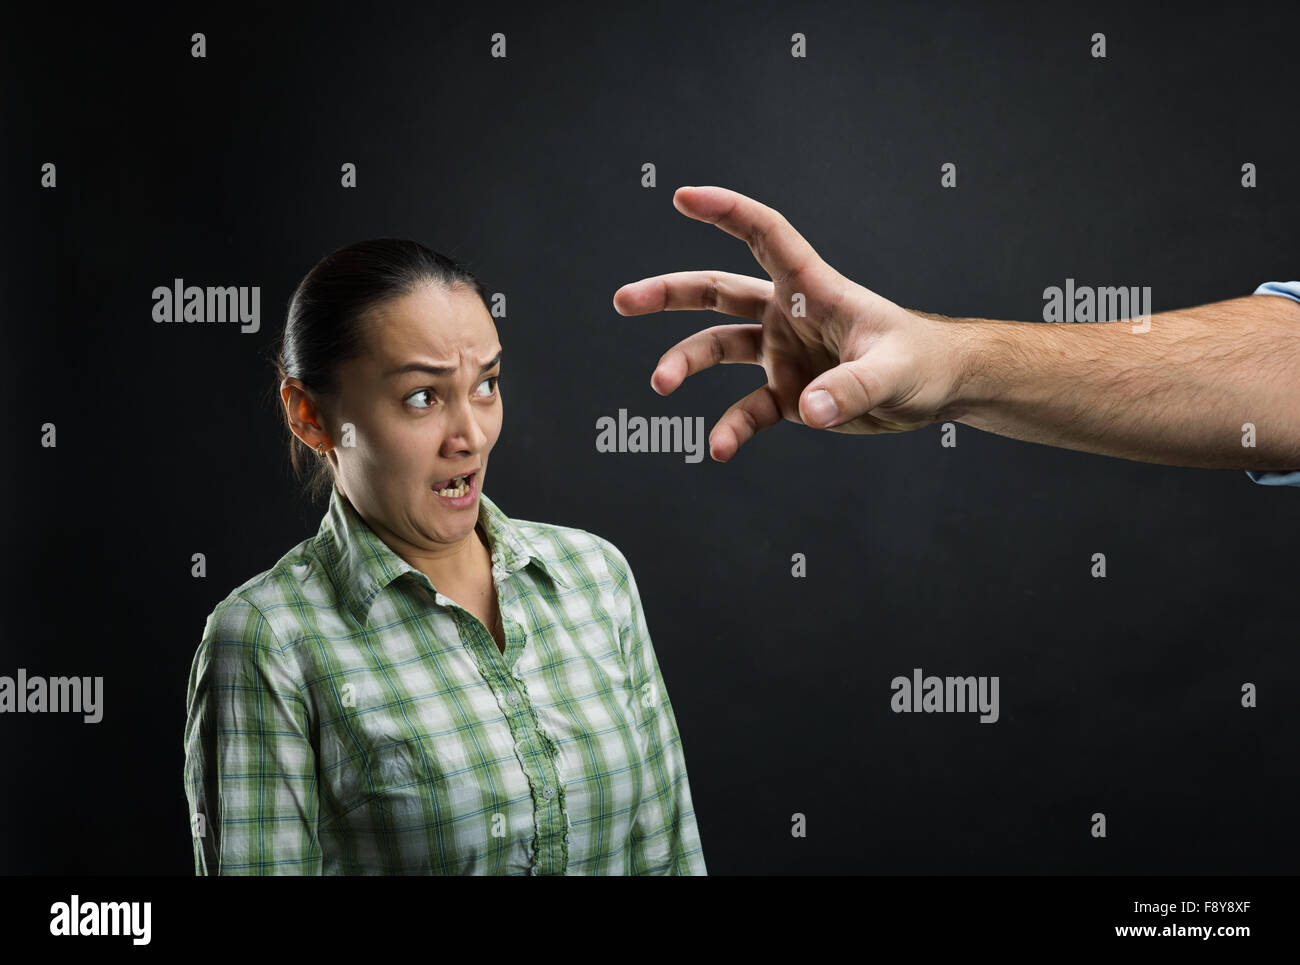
column 426, row 407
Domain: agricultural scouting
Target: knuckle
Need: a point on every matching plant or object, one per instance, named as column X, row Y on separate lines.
column 746, row 418
column 717, row 350
column 868, row 385
column 709, row 297
column 835, row 305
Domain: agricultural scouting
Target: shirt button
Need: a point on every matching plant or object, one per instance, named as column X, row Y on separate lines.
column 512, row 698
column 548, row 792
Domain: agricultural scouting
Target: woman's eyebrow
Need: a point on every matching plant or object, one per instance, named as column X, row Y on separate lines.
column 436, row 369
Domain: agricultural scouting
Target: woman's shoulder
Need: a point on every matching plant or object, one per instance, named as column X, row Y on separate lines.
column 576, row 551
column 278, row 597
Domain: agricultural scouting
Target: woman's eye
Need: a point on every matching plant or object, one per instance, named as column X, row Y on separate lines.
column 493, row 379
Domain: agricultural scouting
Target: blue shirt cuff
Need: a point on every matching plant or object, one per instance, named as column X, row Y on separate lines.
column 1275, row 478
column 1287, row 289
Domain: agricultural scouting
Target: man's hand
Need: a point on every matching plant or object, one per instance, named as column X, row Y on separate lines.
column 820, row 337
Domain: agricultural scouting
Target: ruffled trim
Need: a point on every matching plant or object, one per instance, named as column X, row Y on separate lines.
column 553, row 752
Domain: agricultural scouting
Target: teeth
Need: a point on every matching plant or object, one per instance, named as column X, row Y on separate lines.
column 460, row 486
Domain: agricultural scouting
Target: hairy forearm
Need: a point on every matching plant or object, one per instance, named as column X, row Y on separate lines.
column 1178, row 394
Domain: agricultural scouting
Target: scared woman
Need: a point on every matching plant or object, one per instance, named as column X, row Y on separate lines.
column 426, row 686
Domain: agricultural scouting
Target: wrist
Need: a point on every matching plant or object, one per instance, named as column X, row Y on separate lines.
column 971, row 364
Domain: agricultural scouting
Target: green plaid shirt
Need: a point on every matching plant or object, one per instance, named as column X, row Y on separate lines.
column 344, row 717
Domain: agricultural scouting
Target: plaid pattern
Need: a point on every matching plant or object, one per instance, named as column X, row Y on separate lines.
column 346, row 718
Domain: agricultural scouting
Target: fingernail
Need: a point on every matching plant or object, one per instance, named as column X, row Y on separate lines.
column 822, row 407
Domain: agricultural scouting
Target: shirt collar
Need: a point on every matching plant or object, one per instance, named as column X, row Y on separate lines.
column 363, row 564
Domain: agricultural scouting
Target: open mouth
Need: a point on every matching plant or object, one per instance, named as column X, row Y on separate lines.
column 456, row 487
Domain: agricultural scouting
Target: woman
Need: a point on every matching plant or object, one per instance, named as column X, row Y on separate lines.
column 426, row 686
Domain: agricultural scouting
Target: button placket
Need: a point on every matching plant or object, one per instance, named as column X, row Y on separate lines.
column 548, row 851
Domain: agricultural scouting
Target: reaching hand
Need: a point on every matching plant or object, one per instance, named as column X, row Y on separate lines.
column 884, row 368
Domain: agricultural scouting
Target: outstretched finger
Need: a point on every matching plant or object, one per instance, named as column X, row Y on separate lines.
column 719, row 345
column 720, row 291
column 755, row 412
column 781, row 250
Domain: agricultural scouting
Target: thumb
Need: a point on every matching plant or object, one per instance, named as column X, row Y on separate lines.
column 841, row 394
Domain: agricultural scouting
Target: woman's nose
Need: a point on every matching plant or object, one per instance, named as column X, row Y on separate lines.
column 465, row 428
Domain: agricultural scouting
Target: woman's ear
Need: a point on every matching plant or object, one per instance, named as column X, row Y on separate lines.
column 303, row 414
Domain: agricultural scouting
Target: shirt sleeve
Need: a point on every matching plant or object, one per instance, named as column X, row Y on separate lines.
column 665, row 839
column 250, row 767
column 1287, row 289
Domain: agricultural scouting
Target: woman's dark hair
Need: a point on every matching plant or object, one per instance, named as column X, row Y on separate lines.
column 323, row 327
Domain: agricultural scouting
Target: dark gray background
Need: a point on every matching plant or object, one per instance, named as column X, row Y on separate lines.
column 1118, row 695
